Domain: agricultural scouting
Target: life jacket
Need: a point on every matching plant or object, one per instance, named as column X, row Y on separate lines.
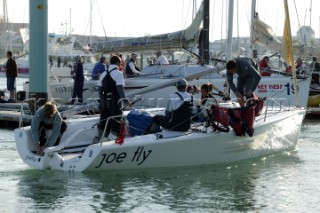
column 240, row 119
column 109, row 91
column 180, row 117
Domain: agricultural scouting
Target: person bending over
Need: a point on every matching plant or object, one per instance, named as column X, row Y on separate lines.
column 248, row 78
column 47, row 117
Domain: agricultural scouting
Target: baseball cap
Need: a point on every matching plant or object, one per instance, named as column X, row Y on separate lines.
column 181, row 82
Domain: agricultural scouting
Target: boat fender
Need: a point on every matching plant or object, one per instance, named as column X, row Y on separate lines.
column 236, row 121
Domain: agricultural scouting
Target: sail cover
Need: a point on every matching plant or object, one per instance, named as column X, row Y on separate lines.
column 263, row 34
column 179, row 39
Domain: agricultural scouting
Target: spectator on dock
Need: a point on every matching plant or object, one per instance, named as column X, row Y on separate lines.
column 58, row 61
column 11, row 74
column 78, row 81
column 50, row 61
column 47, row 117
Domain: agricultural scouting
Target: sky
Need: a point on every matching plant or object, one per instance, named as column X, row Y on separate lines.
column 134, row 18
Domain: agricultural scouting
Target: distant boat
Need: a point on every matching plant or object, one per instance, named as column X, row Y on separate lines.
column 59, row 46
column 276, row 86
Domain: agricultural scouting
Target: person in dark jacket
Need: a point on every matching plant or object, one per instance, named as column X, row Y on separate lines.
column 78, row 81
column 248, row 77
column 11, row 74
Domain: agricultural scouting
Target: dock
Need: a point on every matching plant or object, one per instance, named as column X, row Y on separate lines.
column 15, row 114
column 313, row 110
column 20, row 114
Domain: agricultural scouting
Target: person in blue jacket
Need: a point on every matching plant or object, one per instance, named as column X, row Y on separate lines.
column 98, row 68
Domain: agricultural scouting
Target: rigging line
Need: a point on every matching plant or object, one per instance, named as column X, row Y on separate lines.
column 104, row 30
column 238, row 41
column 212, row 19
column 85, row 30
column 294, row 1
column 247, row 15
column 183, row 27
column 160, row 38
column 182, row 24
column 221, row 31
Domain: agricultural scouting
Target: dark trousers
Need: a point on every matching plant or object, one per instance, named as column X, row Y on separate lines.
column 43, row 137
column 109, row 108
column 77, row 91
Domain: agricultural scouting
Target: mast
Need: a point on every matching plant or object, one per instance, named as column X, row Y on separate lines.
column 229, row 30
column 229, row 44
column 90, row 39
column 310, row 11
column 6, row 21
column 204, row 38
column 70, row 22
column 253, row 51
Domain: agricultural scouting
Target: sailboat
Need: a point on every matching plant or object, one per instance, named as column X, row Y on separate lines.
column 272, row 129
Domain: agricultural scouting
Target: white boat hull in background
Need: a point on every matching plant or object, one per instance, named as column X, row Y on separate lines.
column 275, row 86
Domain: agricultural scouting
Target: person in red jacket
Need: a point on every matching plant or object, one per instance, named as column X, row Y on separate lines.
column 264, row 66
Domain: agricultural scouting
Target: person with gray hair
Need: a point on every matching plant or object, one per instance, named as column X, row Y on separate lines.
column 178, row 111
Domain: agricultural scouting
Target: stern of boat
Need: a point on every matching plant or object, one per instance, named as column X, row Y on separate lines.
column 26, row 149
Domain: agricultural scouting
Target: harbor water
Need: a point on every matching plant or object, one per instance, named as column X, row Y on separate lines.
column 282, row 182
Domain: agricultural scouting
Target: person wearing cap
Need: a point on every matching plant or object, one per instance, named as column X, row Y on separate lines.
column 131, row 68
column 248, row 77
column 78, row 81
column 264, row 66
column 178, row 111
column 98, row 68
column 161, row 59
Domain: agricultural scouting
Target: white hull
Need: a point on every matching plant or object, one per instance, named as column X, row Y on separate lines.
column 279, row 132
column 275, row 86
